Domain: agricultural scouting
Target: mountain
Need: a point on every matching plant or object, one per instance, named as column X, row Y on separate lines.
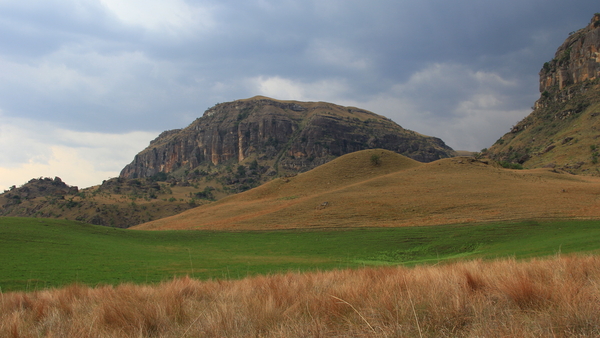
column 244, row 143
column 562, row 132
column 234, row 147
column 354, row 190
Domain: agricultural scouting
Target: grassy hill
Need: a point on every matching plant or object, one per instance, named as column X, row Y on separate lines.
column 353, row 191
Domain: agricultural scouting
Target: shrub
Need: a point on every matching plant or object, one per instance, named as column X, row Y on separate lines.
column 206, row 194
column 159, row 177
column 375, row 159
column 509, row 165
column 241, row 171
column 547, row 67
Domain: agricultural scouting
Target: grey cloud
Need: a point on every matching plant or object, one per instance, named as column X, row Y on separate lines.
column 127, row 78
column 34, row 29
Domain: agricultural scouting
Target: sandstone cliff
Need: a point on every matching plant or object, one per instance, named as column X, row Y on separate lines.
column 279, row 137
column 576, row 60
column 562, row 131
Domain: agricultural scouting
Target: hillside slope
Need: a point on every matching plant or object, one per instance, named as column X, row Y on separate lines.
column 562, row 131
column 352, row 191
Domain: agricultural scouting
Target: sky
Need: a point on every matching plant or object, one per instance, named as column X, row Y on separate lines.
column 87, row 84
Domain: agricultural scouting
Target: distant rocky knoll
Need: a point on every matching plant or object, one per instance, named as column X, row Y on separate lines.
column 562, row 131
column 117, row 202
column 247, row 142
column 42, row 187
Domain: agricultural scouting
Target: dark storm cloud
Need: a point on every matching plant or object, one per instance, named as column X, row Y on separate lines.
column 98, row 66
column 34, row 29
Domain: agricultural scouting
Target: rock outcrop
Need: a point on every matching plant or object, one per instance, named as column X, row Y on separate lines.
column 117, row 202
column 562, row 131
column 281, row 136
column 38, row 187
column 576, row 60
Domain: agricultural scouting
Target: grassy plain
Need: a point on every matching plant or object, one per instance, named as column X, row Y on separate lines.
column 41, row 253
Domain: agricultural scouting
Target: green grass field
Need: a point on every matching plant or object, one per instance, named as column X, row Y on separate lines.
column 40, row 253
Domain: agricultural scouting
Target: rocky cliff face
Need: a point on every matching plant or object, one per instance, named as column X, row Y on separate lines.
column 576, row 60
column 562, row 131
column 281, row 137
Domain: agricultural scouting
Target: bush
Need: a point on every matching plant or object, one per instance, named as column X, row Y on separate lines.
column 159, row 177
column 509, row 165
column 241, row 171
column 206, row 194
column 546, row 67
column 375, row 159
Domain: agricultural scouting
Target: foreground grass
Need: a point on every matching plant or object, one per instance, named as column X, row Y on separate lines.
column 43, row 253
column 557, row 297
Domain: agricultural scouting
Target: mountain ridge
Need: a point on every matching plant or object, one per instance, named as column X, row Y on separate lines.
column 286, row 136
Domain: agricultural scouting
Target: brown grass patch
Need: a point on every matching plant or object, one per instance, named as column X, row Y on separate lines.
column 398, row 192
column 556, row 297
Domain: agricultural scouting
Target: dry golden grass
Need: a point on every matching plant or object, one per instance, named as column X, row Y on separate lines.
column 557, row 297
column 350, row 191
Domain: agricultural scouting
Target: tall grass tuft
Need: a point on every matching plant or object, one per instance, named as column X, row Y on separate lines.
column 556, row 297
